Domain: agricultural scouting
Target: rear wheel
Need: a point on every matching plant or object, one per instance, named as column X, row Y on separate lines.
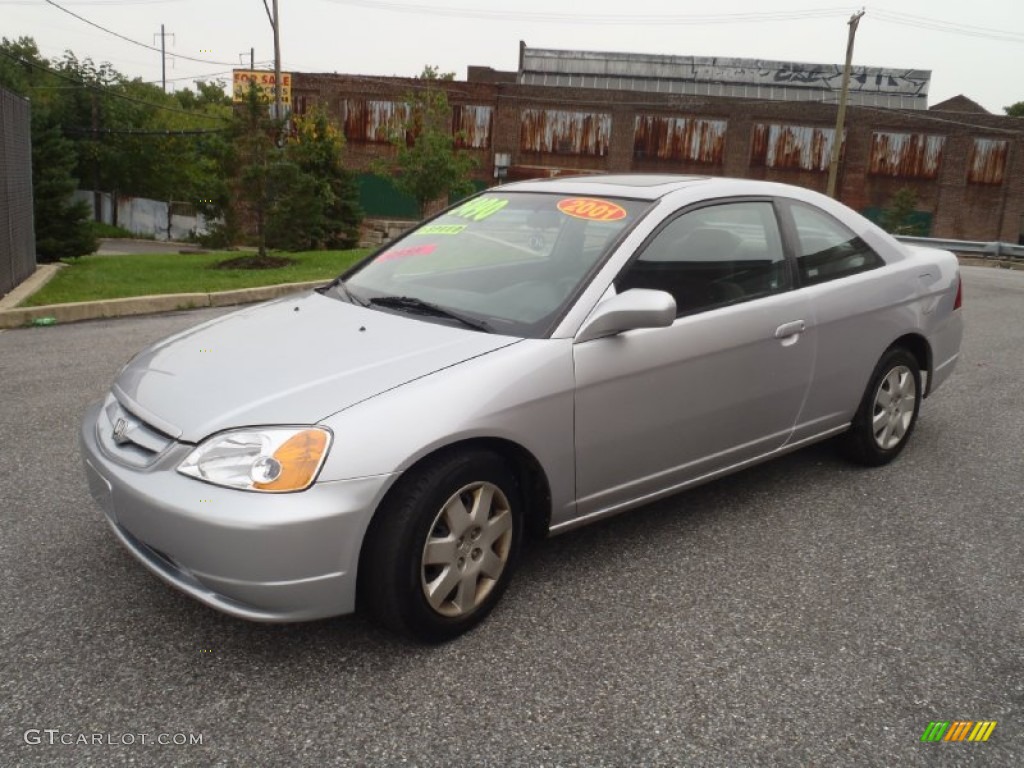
column 888, row 411
column 442, row 548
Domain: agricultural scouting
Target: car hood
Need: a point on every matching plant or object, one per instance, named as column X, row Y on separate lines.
column 293, row 361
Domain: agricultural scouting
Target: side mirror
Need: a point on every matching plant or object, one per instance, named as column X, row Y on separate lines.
column 635, row 308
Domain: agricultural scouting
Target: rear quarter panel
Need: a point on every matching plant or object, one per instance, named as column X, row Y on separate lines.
column 856, row 319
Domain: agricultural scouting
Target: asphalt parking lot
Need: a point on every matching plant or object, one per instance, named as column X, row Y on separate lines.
column 803, row 613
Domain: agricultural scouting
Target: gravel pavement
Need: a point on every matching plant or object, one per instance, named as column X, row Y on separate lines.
column 803, row 613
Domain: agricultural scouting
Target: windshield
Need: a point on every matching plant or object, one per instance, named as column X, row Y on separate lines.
column 510, row 261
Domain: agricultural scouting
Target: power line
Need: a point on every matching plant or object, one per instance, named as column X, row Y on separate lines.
column 923, row 115
column 107, row 91
column 938, row 25
column 135, row 42
column 135, row 132
column 596, row 19
column 93, row 2
column 205, row 75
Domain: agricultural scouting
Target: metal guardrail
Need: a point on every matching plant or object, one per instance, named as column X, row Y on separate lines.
column 978, row 247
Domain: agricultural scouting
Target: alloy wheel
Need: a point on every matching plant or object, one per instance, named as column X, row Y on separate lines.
column 894, row 405
column 467, row 549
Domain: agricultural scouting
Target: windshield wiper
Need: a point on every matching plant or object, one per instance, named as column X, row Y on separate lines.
column 339, row 285
column 413, row 304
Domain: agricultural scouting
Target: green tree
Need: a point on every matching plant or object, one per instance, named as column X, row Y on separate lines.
column 296, row 191
column 899, row 217
column 295, row 207
column 61, row 224
column 207, row 94
column 129, row 137
column 427, row 163
column 257, row 152
column 316, row 148
column 1015, row 110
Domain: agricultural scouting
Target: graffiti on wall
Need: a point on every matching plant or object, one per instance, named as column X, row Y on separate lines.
column 539, row 63
column 686, row 139
column 862, row 79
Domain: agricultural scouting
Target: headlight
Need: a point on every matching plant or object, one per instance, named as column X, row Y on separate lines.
column 273, row 459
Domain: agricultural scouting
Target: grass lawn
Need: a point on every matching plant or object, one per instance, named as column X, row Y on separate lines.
column 113, row 277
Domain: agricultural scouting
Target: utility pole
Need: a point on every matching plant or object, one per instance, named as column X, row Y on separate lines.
column 278, row 112
column 275, row 24
column 97, row 196
column 252, row 59
column 837, row 141
column 163, row 55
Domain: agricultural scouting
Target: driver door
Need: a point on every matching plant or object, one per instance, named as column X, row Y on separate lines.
column 660, row 408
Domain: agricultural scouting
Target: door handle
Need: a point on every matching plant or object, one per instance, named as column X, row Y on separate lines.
column 786, row 330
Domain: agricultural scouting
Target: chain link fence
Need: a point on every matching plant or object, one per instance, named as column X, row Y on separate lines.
column 17, row 232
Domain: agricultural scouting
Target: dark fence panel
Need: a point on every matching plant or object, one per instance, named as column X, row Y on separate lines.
column 17, row 232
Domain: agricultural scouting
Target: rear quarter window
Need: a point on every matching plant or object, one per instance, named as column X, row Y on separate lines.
column 826, row 249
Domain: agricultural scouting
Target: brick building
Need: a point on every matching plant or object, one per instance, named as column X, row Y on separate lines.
column 965, row 165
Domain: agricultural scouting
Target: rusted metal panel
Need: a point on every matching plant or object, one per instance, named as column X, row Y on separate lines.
column 563, row 132
column 472, row 125
column 680, row 138
column 906, row 155
column 987, row 163
column 374, row 121
column 792, row 147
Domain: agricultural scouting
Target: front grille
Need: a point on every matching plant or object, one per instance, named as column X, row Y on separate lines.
column 128, row 439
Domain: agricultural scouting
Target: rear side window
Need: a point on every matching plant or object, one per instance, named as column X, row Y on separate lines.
column 826, row 248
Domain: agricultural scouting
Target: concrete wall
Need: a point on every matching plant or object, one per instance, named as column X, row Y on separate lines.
column 959, row 208
column 150, row 218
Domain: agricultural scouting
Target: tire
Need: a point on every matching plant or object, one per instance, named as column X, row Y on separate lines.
column 442, row 547
column 888, row 412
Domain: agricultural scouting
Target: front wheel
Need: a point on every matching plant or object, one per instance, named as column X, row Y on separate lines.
column 442, row 548
column 888, row 411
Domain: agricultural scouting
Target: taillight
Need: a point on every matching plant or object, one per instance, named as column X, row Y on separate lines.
column 959, row 300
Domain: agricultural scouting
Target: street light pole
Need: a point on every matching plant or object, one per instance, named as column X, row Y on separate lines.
column 837, row 140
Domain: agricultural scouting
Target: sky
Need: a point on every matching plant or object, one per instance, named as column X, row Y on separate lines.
column 972, row 48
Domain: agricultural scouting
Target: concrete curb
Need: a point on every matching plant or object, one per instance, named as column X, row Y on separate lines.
column 147, row 305
column 44, row 273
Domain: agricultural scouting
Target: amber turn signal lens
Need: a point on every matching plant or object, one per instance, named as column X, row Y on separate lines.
column 299, row 457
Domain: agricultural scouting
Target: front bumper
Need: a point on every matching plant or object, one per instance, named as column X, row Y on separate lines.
column 262, row 557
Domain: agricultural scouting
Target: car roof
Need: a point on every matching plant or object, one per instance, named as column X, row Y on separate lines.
column 636, row 185
column 652, row 186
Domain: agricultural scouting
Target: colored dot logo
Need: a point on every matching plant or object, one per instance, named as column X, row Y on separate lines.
column 205, row 350
column 206, row 650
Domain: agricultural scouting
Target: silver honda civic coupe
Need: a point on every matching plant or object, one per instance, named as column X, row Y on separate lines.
column 538, row 357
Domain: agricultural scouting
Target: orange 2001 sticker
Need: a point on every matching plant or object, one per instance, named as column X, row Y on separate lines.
column 591, row 209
